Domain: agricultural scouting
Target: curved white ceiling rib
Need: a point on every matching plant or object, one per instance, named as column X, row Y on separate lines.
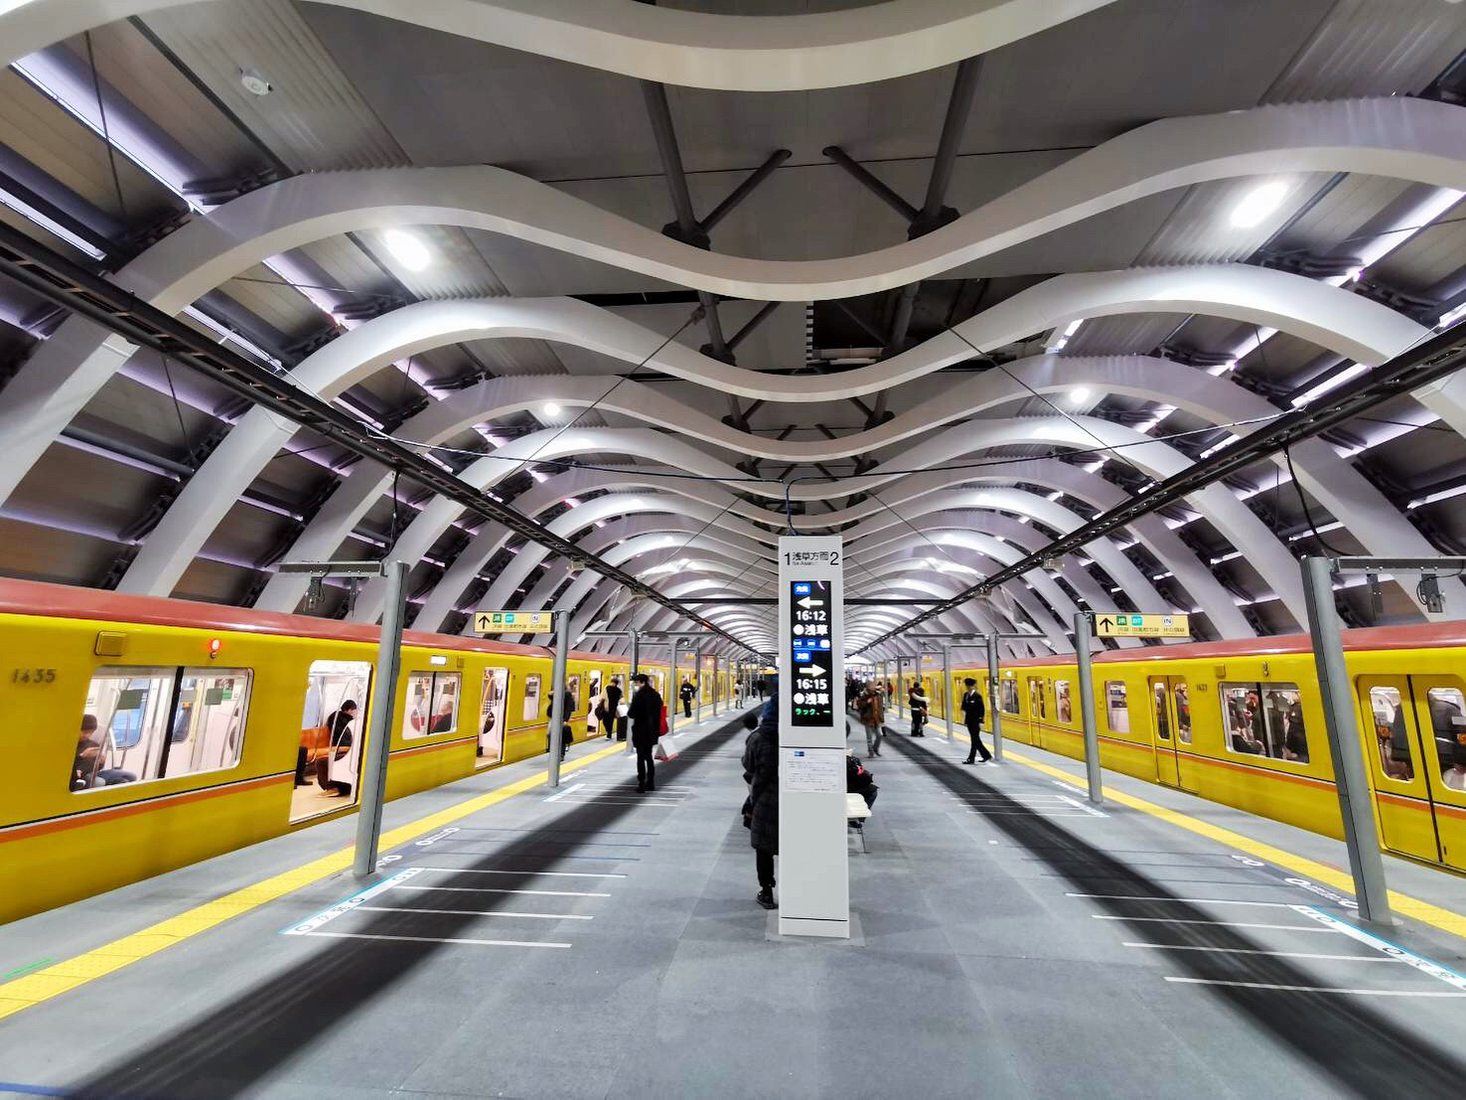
column 1403, row 138
column 736, row 53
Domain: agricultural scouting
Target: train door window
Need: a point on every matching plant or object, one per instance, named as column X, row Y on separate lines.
column 332, row 724
column 1264, row 720
column 1182, row 694
column 208, row 721
column 1162, row 717
column 491, row 716
column 1390, row 734
column 1064, row 709
column 432, row 703
column 531, row 709
column 158, row 723
column 1009, row 696
column 1448, row 724
column 1036, row 705
column 572, row 685
column 1116, row 709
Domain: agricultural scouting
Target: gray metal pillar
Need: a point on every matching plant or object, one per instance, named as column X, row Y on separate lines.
column 379, row 730
column 949, row 705
column 673, row 700
column 900, row 683
column 995, row 697
column 1342, row 726
column 557, row 697
column 697, row 685
column 1086, row 706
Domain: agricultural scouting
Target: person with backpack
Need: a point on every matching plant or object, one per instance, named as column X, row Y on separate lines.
column 974, row 710
column 872, row 711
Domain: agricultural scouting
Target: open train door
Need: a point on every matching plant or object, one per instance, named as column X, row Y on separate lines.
column 1163, row 718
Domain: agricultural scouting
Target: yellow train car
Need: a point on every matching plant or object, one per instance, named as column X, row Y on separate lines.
column 1241, row 723
column 144, row 734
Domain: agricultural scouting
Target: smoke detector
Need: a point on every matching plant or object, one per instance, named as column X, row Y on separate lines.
column 254, row 83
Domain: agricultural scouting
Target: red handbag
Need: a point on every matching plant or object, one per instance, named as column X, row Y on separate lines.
column 664, row 720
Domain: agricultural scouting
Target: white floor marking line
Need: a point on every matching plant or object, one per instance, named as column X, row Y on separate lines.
column 1083, row 806
column 1394, row 951
column 473, row 913
column 435, row 939
column 1312, row 988
column 310, row 924
column 634, row 801
column 1255, row 951
column 1019, row 813
column 545, row 874
column 1185, row 901
column 562, row 794
column 1171, row 920
column 496, row 890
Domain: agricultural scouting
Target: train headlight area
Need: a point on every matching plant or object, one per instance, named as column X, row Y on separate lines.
column 587, row 940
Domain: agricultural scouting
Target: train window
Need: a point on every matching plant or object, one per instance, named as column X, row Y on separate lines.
column 1182, row 696
column 1162, row 719
column 1037, row 704
column 1264, row 720
column 1390, row 734
column 154, row 723
column 432, row 704
column 491, row 715
column 1448, row 725
column 531, row 711
column 572, row 685
column 1116, row 707
column 1009, row 696
column 1063, row 708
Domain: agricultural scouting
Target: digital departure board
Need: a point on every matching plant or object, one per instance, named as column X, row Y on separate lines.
column 812, row 669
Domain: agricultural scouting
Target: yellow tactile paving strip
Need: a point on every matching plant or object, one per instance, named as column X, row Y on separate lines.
column 41, row 985
column 1403, row 904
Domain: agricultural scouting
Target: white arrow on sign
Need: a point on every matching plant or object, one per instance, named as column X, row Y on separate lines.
column 810, row 601
column 817, row 673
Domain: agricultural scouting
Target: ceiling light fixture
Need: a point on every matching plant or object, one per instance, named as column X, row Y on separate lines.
column 552, row 409
column 1258, row 203
column 407, row 250
column 1079, row 395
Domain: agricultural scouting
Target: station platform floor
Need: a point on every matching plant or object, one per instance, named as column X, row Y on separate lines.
column 1012, row 940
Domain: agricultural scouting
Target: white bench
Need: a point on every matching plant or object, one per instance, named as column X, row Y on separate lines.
column 857, row 810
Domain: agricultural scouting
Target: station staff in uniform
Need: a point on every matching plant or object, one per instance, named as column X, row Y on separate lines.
column 973, row 712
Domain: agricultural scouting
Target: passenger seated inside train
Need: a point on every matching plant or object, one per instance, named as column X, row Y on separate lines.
column 443, row 720
column 91, row 753
column 334, row 779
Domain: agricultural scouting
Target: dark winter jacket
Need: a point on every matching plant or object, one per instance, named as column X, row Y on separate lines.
column 645, row 712
column 761, row 772
column 973, row 709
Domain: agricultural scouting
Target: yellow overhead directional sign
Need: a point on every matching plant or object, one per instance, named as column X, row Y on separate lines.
column 1125, row 624
column 513, row 622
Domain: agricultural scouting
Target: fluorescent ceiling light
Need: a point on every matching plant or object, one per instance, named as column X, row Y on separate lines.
column 1079, row 394
column 55, row 228
column 407, row 250
column 1328, row 384
column 1444, row 494
column 552, row 409
column 1258, row 203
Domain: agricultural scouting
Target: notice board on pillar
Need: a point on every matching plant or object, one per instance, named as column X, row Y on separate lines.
column 814, row 877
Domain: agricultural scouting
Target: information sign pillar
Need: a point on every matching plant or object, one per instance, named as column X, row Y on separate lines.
column 814, row 872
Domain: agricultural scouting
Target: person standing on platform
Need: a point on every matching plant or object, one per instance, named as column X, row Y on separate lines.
column 918, row 702
column 646, row 728
column 872, row 710
column 974, row 710
column 612, row 697
column 687, row 693
column 761, row 773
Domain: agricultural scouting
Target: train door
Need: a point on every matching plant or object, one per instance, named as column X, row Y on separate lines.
column 1417, row 758
column 333, row 729
column 1171, row 714
column 1035, row 709
column 490, row 748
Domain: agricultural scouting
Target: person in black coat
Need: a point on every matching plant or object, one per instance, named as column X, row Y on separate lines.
column 687, row 693
column 761, row 772
column 613, row 700
column 974, row 710
column 645, row 713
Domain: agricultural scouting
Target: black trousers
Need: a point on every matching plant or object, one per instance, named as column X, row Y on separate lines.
column 687, row 708
column 646, row 767
column 978, row 748
column 764, row 861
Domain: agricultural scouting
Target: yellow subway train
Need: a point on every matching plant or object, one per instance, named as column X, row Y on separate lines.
column 143, row 734
column 1241, row 723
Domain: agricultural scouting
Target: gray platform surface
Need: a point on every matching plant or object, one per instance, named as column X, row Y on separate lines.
column 1013, row 943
